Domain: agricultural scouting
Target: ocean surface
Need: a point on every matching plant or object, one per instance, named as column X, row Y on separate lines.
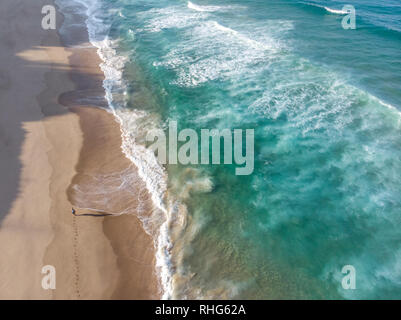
column 325, row 105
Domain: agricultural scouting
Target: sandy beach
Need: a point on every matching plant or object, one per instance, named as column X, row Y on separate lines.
column 51, row 144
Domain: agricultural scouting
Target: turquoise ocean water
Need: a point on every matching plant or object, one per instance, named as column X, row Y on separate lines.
column 325, row 105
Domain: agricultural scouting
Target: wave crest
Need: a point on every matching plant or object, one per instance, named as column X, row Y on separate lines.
column 202, row 8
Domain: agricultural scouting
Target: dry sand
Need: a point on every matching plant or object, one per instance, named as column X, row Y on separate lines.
column 50, row 143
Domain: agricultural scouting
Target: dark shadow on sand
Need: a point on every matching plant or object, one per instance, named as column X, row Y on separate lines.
column 18, row 76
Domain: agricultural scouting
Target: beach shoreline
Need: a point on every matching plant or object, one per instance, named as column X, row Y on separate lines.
column 62, row 143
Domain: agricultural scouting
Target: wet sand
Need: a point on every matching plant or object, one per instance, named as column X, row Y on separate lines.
column 50, row 142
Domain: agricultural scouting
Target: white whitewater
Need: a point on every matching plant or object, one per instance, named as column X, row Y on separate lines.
column 149, row 169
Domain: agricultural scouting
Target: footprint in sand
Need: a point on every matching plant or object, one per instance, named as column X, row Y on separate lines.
column 76, row 258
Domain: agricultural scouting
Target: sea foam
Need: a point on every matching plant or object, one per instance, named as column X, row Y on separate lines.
column 151, row 172
column 209, row 8
column 336, row 11
column 202, row 8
